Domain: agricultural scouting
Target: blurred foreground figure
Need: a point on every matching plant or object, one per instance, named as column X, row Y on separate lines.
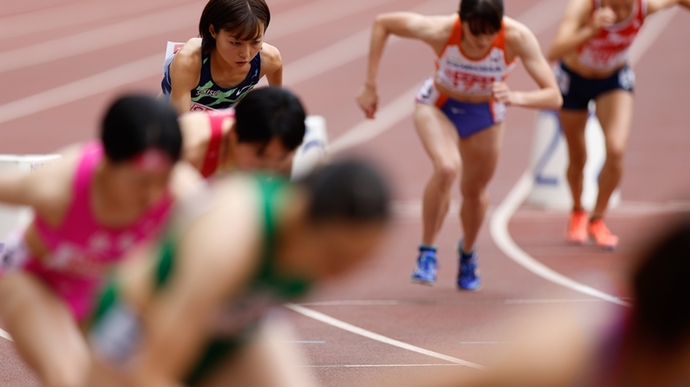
column 646, row 345
column 189, row 309
column 100, row 199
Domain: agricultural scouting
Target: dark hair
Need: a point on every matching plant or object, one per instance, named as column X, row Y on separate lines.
column 270, row 112
column 242, row 17
column 349, row 190
column 134, row 123
column 482, row 16
column 662, row 289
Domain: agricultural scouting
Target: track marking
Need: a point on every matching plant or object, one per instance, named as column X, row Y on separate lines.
column 377, row 337
column 5, row 335
column 459, row 302
column 151, row 66
column 73, row 14
column 378, row 365
column 519, row 193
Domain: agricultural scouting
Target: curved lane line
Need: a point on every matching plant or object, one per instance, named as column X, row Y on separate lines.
column 517, row 195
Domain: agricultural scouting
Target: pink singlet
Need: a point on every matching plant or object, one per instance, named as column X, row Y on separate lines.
column 212, row 158
column 80, row 249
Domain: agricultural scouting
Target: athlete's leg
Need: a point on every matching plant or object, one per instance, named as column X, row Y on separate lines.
column 439, row 138
column 573, row 123
column 479, row 154
column 614, row 110
column 45, row 333
column 270, row 360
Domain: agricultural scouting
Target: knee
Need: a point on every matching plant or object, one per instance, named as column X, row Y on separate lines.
column 614, row 153
column 473, row 192
column 446, row 171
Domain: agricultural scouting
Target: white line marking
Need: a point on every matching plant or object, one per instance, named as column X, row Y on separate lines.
column 448, row 302
column 378, row 365
column 86, row 87
column 377, row 337
column 74, row 14
column 99, row 38
column 518, row 194
column 5, row 335
column 499, row 232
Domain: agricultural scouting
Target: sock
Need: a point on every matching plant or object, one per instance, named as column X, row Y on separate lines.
column 423, row 248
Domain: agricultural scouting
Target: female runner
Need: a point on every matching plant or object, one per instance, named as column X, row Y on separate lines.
column 460, row 111
column 262, row 132
column 188, row 309
column 99, row 200
column 592, row 45
column 216, row 70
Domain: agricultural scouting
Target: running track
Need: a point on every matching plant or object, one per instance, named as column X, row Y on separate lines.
column 61, row 61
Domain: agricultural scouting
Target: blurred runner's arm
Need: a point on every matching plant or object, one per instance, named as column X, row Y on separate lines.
column 577, row 27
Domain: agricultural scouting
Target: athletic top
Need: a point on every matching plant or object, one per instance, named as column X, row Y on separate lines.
column 116, row 328
column 610, row 49
column 208, row 95
column 463, row 75
column 80, row 245
column 215, row 143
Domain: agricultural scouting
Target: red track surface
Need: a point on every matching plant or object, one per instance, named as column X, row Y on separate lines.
column 439, row 318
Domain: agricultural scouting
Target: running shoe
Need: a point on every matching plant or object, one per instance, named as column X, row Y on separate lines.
column 425, row 272
column 468, row 273
column 601, row 235
column 577, row 228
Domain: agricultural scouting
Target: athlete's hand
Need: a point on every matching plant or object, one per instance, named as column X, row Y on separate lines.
column 603, row 17
column 502, row 93
column 368, row 101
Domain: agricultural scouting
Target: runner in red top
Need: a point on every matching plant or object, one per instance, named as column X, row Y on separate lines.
column 261, row 133
column 592, row 45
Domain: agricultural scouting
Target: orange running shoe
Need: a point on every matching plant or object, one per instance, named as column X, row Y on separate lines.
column 601, row 235
column 577, row 228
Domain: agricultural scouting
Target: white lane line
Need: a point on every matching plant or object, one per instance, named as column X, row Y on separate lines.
column 99, row 38
column 73, row 14
column 518, row 194
column 513, row 301
column 152, row 66
column 501, row 235
column 378, row 365
column 377, row 337
column 86, row 87
column 5, row 335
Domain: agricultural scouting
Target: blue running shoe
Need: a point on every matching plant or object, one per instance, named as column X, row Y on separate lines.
column 468, row 274
column 425, row 273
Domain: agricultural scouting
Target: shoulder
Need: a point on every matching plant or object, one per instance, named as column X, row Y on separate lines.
column 270, row 56
column 519, row 38
column 52, row 185
column 189, row 55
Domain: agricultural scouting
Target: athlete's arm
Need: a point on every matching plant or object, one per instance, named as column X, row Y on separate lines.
column 214, row 260
column 272, row 65
column 185, row 71
column 577, row 26
column 403, row 24
column 520, row 39
column 657, row 5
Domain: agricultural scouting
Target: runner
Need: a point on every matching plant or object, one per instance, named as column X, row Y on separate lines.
column 189, row 308
column 262, row 132
column 216, row 70
column 460, row 111
column 592, row 46
column 100, row 199
column 646, row 345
